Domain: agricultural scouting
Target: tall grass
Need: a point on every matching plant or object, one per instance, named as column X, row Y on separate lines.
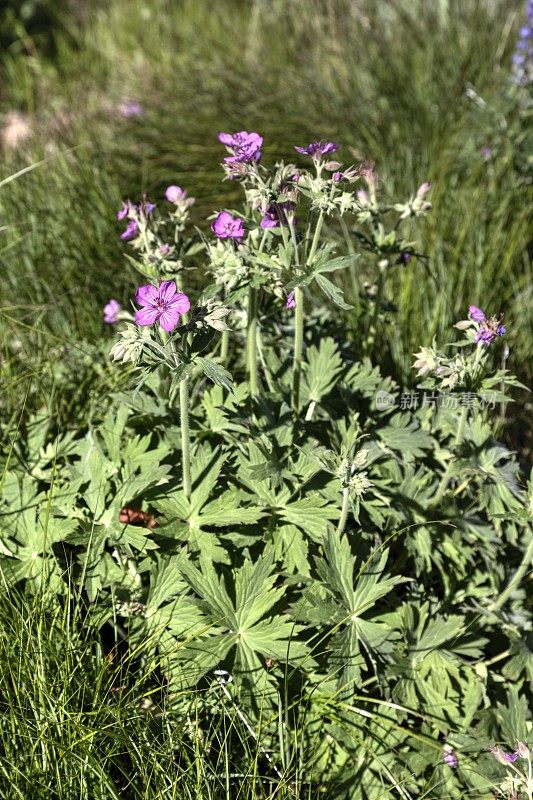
column 84, row 719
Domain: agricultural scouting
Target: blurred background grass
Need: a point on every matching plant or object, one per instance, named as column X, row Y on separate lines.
column 418, row 86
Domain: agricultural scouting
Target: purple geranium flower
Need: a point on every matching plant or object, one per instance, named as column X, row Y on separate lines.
column 175, row 194
column 124, row 210
column 489, row 327
column 243, row 146
column 476, row 314
column 131, row 231
column 317, row 148
column 111, row 310
column 163, row 304
column 227, row 227
column 291, row 301
column 503, row 757
column 276, row 213
column 449, row 756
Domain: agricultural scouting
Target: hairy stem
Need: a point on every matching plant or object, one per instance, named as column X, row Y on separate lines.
column 185, row 440
column 224, row 347
column 298, row 348
column 251, row 341
column 344, row 510
column 372, row 331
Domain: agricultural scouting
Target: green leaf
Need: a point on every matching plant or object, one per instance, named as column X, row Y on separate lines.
column 332, row 292
column 216, row 373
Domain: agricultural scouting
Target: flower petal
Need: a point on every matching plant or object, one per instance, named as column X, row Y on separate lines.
column 227, row 139
column 146, row 295
column 167, row 291
column 180, row 303
column 147, row 316
column 169, row 319
column 476, row 314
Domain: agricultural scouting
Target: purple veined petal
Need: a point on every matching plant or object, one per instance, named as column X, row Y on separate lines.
column 167, row 291
column 510, row 757
column 224, row 218
column 302, row 150
column 501, row 329
column 237, row 229
column 226, row 138
column 169, row 318
column 123, row 212
column 181, row 303
column 147, row 295
column 131, row 231
column 147, row 316
column 291, row 300
column 476, row 314
column 269, row 221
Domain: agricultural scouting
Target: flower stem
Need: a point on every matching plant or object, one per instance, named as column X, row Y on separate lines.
column 224, row 347
column 298, row 348
column 344, row 510
column 251, row 341
column 516, row 579
column 458, row 439
column 185, row 441
column 371, row 338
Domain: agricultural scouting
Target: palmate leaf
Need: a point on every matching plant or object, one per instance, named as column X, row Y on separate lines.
column 291, row 548
column 216, row 373
column 29, row 527
column 405, row 435
column 243, row 621
column 332, row 292
column 322, row 368
column 311, row 513
column 353, row 596
column 188, row 521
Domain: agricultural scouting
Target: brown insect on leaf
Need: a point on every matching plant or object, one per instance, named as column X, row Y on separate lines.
column 134, row 516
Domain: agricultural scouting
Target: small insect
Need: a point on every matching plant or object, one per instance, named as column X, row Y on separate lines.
column 134, row 516
column 270, row 662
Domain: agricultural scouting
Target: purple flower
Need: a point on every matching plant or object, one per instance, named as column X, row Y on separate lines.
column 276, row 213
column 486, row 152
column 449, row 757
column 124, row 210
column 175, row 194
column 131, row 231
column 130, row 109
column 337, row 177
column 291, row 301
column 111, row 310
column 318, row 148
column 227, row 227
column 164, row 250
column 476, row 314
column 503, row 757
column 243, row 146
column 163, row 304
column 489, row 327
